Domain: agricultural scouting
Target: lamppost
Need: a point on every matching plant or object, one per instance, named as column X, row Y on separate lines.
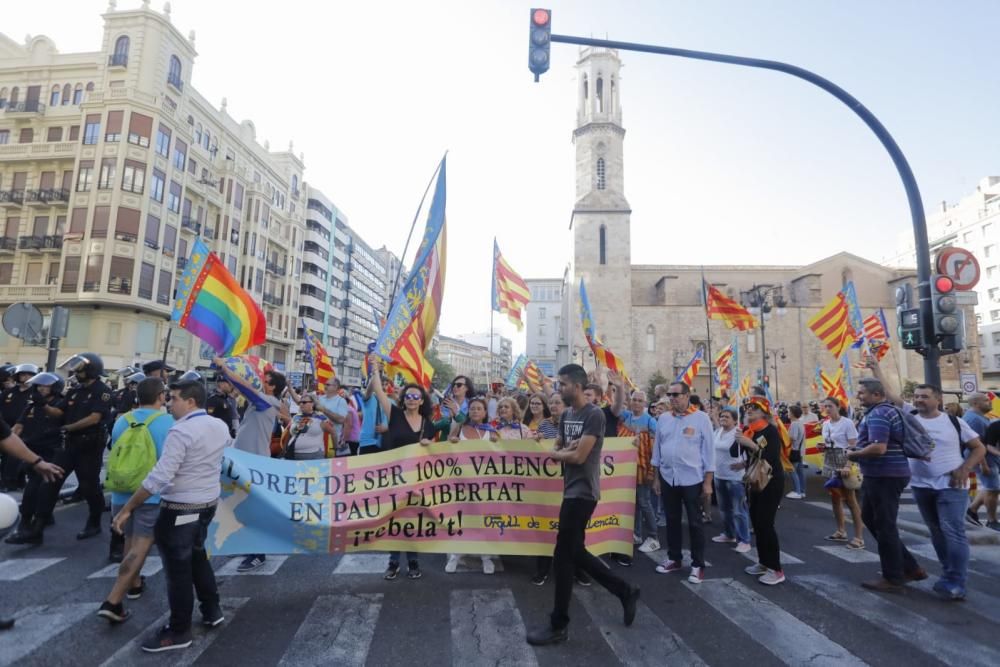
column 762, row 299
column 774, row 355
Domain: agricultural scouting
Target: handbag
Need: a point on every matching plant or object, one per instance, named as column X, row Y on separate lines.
column 853, row 480
column 795, row 456
column 758, row 474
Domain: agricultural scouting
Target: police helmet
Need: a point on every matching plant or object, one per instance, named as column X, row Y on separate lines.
column 51, row 380
column 135, row 378
column 91, row 364
column 27, row 368
column 6, row 372
column 191, row 376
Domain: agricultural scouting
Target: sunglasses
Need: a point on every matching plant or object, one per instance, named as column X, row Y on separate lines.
column 674, row 394
column 458, row 384
column 303, row 402
column 412, row 397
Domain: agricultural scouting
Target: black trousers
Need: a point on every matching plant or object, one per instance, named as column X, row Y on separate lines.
column 180, row 537
column 763, row 510
column 879, row 510
column 571, row 555
column 688, row 498
column 84, row 458
column 29, row 500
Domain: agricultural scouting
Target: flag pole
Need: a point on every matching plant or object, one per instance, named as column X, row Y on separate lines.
column 708, row 334
column 493, row 304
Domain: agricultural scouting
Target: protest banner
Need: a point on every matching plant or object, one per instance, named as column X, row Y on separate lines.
column 470, row 497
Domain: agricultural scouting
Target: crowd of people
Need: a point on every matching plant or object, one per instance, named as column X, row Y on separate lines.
column 166, row 433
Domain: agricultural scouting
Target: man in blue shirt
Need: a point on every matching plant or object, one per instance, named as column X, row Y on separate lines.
column 988, row 472
column 374, row 421
column 139, row 528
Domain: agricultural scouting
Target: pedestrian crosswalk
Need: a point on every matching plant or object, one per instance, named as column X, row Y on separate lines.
column 486, row 624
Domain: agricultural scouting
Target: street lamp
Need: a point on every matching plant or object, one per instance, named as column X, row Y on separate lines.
column 774, row 355
column 763, row 299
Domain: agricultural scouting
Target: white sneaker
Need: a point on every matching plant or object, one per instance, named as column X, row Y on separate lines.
column 452, row 565
column 697, row 575
column 636, row 539
column 795, row 496
column 488, row 566
column 723, row 539
column 743, row 547
column 772, row 577
column 649, row 546
column 756, row 570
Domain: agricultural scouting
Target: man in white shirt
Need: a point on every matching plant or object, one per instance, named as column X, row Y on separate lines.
column 187, row 479
column 939, row 487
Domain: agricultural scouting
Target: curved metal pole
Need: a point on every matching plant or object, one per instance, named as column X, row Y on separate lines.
column 932, row 354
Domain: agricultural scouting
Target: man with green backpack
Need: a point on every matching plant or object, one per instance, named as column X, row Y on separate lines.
column 136, row 444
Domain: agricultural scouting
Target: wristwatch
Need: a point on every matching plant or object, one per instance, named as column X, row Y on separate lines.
column 37, row 461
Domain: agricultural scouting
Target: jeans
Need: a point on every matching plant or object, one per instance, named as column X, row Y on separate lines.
column 763, row 510
column 645, row 516
column 943, row 510
column 411, row 557
column 83, row 456
column 688, row 497
column 182, row 548
column 799, row 478
column 571, row 555
column 879, row 510
column 732, row 503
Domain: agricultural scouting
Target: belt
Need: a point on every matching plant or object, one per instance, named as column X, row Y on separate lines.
column 187, row 507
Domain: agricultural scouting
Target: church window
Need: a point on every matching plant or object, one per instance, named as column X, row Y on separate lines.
column 586, row 87
column 650, row 338
column 603, row 245
column 611, row 96
column 600, row 95
column 601, row 181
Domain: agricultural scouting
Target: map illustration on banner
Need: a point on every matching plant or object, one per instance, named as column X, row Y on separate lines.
column 471, row 497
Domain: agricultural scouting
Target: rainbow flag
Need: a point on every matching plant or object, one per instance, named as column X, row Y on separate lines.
column 322, row 366
column 411, row 324
column 718, row 306
column 510, row 292
column 832, row 326
column 212, row 305
column 688, row 374
column 602, row 355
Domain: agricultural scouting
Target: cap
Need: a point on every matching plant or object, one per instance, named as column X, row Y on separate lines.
column 156, row 365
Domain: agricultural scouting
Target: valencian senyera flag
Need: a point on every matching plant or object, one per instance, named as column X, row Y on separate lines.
column 533, row 376
column 724, row 369
column 688, row 375
column 211, row 305
column 744, row 387
column 322, row 366
column 721, row 307
column 510, row 292
column 832, row 325
column 834, row 386
column 602, row 355
column 414, row 316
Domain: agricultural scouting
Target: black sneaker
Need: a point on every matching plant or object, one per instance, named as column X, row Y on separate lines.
column 539, row 579
column 392, row 571
column 212, row 616
column 166, row 639
column 623, row 560
column 116, row 613
column 136, row 592
column 251, row 563
column 582, row 578
column 413, row 570
column 973, row 517
column 547, row 635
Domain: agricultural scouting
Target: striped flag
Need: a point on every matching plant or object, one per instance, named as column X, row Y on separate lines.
column 510, row 292
column 533, row 376
column 744, row 387
column 834, row 386
column 718, row 306
column 723, row 368
column 516, row 372
column 322, row 366
column 602, row 354
column 832, row 326
column 853, row 313
column 688, row 374
column 411, row 324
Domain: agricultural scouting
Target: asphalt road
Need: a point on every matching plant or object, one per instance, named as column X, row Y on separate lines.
column 332, row 610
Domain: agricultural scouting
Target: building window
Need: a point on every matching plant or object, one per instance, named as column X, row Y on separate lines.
column 996, row 359
column 152, row 235
column 541, row 313
column 109, row 168
column 3, row 97
column 995, row 315
column 600, row 95
column 134, row 177
column 54, row 99
column 102, row 217
column 77, row 94
column 169, row 240
column 994, row 293
column 197, row 134
column 26, row 136
column 54, row 134
column 66, row 94
column 139, row 129
column 163, row 141
column 92, row 129
column 650, row 338
column 120, row 56
column 114, row 130
column 180, row 155
column 4, row 137
column 174, row 75
column 71, row 274
column 996, row 337
column 174, row 197
column 85, row 177
column 603, row 257
column 159, row 182
column 601, row 181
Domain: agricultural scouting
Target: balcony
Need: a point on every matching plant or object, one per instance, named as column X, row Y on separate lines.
column 176, row 82
column 272, row 300
column 118, row 60
column 11, row 197
column 35, row 294
column 47, row 197
column 191, row 224
column 118, row 285
column 272, row 267
column 50, row 149
column 91, row 287
column 33, row 107
column 8, row 244
column 145, row 293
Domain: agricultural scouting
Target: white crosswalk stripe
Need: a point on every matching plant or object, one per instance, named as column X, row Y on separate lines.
column 338, row 630
column 648, row 642
column 486, row 629
column 849, row 555
column 38, row 625
column 269, row 567
column 152, row 565
column 946, row 644
column 131, row 653
column 16, row 569
column 977, row 602
column 789, row 639
column 362, row 563
column 786, row 559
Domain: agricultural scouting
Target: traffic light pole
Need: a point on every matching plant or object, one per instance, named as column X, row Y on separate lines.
column 931, row 353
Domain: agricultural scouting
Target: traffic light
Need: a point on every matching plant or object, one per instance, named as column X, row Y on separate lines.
column 911, row 333
column 949, row 320
column 539, row 37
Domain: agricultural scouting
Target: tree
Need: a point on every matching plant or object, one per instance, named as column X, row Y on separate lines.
column 443, row 371
column 655, row 379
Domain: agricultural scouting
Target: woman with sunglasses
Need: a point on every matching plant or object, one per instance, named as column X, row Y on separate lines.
column 536, row 413
column 474, row 428
column 409, row 423
column 549, row 428
column 305, row 437
column 507, row 424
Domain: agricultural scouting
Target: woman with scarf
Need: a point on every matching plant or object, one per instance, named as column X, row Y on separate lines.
column 761, row 438
column 506, row 424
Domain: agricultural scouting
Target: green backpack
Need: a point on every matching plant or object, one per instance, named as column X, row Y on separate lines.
column 132, row 457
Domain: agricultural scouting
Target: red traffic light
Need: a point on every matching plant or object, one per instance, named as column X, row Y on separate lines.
column 943, row 284
column 540, row 17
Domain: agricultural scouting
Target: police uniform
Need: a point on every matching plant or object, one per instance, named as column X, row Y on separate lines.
column 83, row 449
column 220, row 407
column 12, row 404
column 43, row 435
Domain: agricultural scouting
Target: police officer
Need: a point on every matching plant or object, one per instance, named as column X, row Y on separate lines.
column 157, row 369
column 13, row 401
column 84, row 413
column 222, row 405
column 43, row 436
column 125, row 399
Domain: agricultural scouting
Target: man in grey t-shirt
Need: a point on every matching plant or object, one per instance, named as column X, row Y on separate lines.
column 578, row 448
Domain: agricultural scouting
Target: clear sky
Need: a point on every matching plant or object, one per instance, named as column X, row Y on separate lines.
column 722, row 164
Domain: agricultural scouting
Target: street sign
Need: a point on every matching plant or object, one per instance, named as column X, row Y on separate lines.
column 970, row 384
column 960, row 265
